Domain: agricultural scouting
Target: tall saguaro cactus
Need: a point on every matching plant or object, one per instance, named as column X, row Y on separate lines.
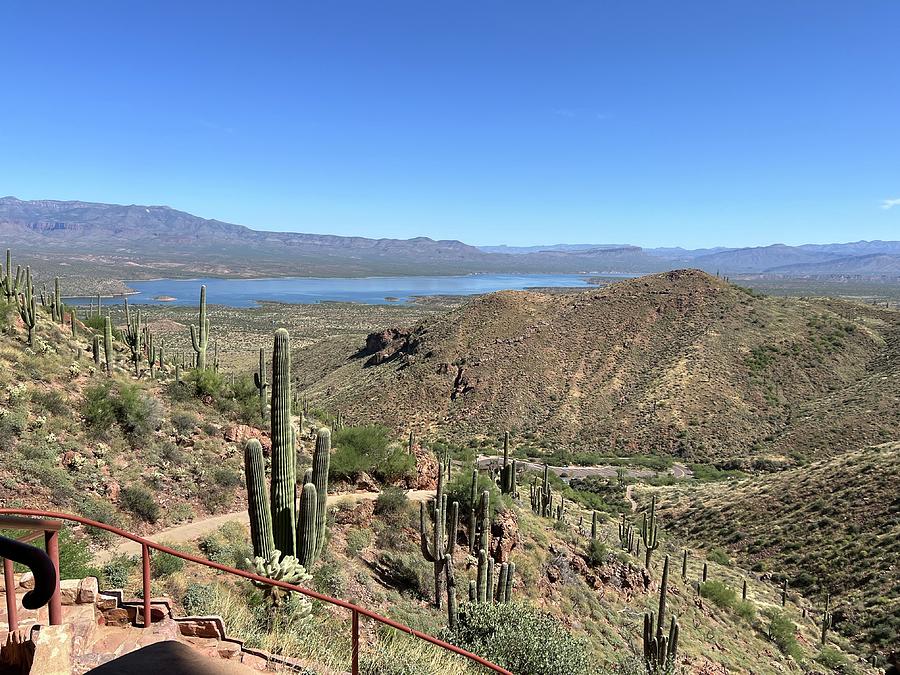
column 483, row 588
column 508, row 471
column 11, row 283
column 826, row 619
column 200, row 334
column 108, row 344
column 26, row 305
column 650, row 533
column 134, row 337
column 297, row 533
column 473, row 522
column 440, row 541
column 660, row 650
column 284, row 474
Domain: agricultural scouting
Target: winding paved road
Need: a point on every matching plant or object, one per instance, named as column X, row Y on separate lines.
column 604, row 470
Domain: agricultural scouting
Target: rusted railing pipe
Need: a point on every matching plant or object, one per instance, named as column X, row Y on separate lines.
column 9, row 581
column 264, row 580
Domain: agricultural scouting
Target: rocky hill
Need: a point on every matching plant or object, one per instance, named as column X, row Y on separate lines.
column 681, row 363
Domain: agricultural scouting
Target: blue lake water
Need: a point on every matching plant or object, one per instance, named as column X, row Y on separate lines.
column 299, row 290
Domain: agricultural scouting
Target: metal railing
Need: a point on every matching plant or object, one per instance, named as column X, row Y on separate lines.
column 28, row 519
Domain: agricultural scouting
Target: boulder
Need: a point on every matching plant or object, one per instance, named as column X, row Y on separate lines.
column 240, row 433
column 201, row 627
column 88, row 590
column 68, row 591
column 426, row 470
column 504, row 535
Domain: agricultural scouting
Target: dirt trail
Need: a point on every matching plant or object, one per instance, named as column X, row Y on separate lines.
column 634, row 504
column 191, row 531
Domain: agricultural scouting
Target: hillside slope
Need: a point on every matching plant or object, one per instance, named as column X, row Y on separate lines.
column 829, row 527
column 679, row 362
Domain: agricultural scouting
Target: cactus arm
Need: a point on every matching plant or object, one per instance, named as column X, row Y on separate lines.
column 307, row 530
column 258, row 501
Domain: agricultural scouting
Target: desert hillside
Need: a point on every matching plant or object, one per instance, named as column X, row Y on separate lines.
column 681, row 363
column 832, row 527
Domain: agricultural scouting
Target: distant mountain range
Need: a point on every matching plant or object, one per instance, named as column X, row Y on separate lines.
column 151, row 241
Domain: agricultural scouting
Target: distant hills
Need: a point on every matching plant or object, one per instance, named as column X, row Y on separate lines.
column 150, row 241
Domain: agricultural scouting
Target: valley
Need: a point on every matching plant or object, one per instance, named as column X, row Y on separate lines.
column 727, row 414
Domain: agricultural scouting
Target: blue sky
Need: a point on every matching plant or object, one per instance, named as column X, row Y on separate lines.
column 654, row 123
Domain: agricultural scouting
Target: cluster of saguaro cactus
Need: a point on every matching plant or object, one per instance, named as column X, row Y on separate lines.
column 650, row 533
column 262, row 384
column 200, row 334
column 626, row 536
column 483, row 589
column 438, row 534
column 826, row 619
column 26, row 304
column 57, row 306
column 508, row 470
column 11, row 283
column 276, row 524
column 541, row 496
column 660, row 650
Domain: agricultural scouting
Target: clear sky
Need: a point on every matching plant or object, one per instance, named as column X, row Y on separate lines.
column 721, row 122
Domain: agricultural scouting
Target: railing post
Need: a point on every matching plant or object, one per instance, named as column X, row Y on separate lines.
column 145, row 559
column 54, row 609
column 12, row 611
column 354, row 645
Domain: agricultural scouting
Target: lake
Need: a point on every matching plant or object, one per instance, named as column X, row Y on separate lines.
column 300, row 290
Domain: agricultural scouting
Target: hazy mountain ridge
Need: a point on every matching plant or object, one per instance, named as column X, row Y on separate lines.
column 134, row 241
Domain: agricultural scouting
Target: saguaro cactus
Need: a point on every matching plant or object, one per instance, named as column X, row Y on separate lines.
column 284, row 475
column 484, row 516
column 784, row 592
column 258, row 500
column 134, row 337
column 485, row 590
column 439, row 542
column 593, row 525
column 11, row 283
column 826, row 619
column 108, row 344
column 473, row 523
column 200, row 334
column 452, row 613
column 660, row 650
column 26, row 305
column 262, row 384
column 508, row 471
column 297, row 533
column 95, row 349
column 650, row 533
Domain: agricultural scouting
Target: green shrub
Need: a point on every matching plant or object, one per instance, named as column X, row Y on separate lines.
column 783, row 633
column 124, row 404
column 205, row 383
column 103, row 512
column 597, row 553
column 834, row 660
column 719, row 594
column 140, row 501
column 404, row 571
column 459, row 490
column 367, row 449
column 719, row 556
column 519, row 638
column 227, row 546
column 165, row 564
column 50, row 401
column 116, row 572
column 199, row 599
column 391, row 503
column 746, row 610
column 184, row 423
column 75, row 557
column 357, row 540
column 226, row 477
